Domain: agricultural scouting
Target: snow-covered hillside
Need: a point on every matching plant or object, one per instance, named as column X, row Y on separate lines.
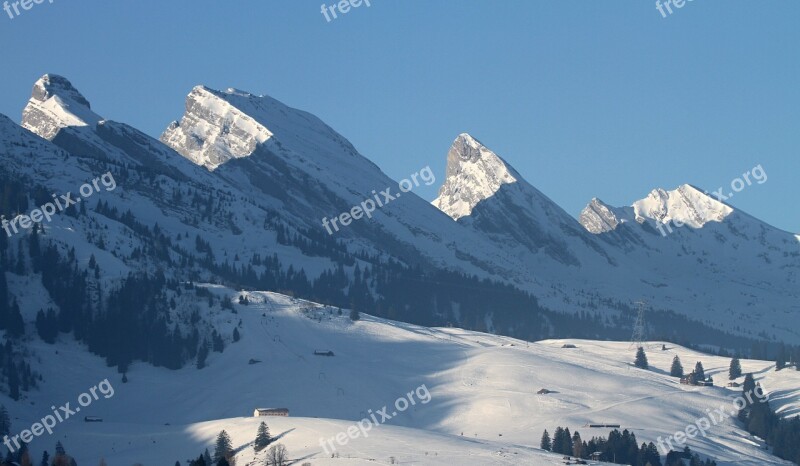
column 483, row 406
column 235, row 193
column 244, row 173
column 724, row 268
column 731, row 262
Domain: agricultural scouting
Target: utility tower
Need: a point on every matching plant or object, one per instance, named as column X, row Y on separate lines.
column 639, row 329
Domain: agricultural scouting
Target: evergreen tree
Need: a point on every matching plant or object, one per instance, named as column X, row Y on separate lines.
column 24, row 456
column 47, row 325
column 545, row 443
column 13, row 383
column 748, row 386
column 236, row 336
column 577, row 445
column 796, row 358
column 735, row 370
column 262, row 437
column 699, row 372
column 566, row 446
column 16, row 326
column 648, row 454
column 641, row 359
column 45, row 459
column 780, row 360
column 207, row 458
column 202, row 355
column 34, row 249
column 224, row 448
column 677, row 368
column 60, row 458
column 217, row 344
column 3, row 296
column 5, row 422
column 558, row 440
column 355, row 315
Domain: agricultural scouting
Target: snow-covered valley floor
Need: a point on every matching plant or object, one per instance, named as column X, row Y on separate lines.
column 483, row 406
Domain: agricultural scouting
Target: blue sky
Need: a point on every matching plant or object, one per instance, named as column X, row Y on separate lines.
column 585, row 99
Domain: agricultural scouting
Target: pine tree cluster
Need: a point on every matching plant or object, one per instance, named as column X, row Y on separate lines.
column 783, row 435
column 619, row 447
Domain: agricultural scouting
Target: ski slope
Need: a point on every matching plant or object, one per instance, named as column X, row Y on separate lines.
column 483, row 405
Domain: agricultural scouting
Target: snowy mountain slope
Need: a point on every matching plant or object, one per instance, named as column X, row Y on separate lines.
column 55, row 104
column 482, row 191
column 685, row 205
column 733, row 263
column 263, row 146
column 738, row 275
column 58, row 112
column 481, row 386
column 262, row 166
column 134, row 444
column 238, row 226
column 147, row 193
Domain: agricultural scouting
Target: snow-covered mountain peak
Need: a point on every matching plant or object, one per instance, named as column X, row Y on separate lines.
column 219, row 126
column 213, row 130
column 55, row 104
column 686, row 204
column 474, row 173
column 53, row 84
column 599, row 217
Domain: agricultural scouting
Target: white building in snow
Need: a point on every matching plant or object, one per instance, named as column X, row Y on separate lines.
column 270, row 412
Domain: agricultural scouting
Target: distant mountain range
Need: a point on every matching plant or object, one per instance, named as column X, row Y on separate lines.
column 235, row 190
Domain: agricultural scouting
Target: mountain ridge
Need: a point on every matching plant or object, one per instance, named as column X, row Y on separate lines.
column 266, row 160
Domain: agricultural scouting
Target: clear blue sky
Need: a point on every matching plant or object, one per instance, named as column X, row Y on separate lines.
column 585, row 98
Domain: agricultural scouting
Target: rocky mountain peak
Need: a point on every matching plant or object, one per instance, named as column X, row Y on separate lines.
column 474, row 173
column 212, row 131
column 56, row 104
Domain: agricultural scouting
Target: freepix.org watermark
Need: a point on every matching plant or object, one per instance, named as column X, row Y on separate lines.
column 365, row 425
column 59, row 415
column 59, row 204
column 712, row 418
column 369, row 205
column 737, row 185
column 665, row 7
column 343, row 6
column 24, row 4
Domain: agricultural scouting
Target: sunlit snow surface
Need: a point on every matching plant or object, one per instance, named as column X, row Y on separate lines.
column 481, row 385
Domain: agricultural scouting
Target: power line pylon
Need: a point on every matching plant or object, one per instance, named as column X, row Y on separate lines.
column 639, row 329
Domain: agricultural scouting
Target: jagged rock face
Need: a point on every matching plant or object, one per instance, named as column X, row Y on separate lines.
column 51, row 84
column 685, row 205
column 483, row 191
column 474, row 173
column 55, row 104
column 212, row 131
column 598, row 217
